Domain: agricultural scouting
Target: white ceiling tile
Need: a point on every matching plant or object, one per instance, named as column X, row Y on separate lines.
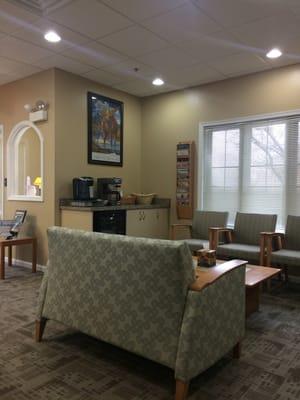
column 104, row 77
column 19, row 50
column 168, row 58
column 130, row 69
column 268, row 32
column 11, row 70
column 13, row 18
column 230, row 13
column 16, row 68
column 213, row 46
column 65, row 63
column 242, row 63
column 34, row 33
column 211, row 39
column 94, row 53
column 6, row 78
column 134, row 41
column 192, row 76
column 183, row 23
column 142, row 9
column 281, row 62
column 295, row 8
column 291, row 48
column 139, row 87
column 93, row 19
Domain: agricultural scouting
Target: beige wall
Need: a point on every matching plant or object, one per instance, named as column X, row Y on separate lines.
column 152, row 128
column 65, row 143
column 71, row 135
column 170, row 118
column 13, row 96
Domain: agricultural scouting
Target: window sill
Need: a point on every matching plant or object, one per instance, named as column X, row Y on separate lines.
column 25, row 198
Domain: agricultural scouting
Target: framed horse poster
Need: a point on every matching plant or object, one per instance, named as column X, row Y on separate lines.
column 105, row 130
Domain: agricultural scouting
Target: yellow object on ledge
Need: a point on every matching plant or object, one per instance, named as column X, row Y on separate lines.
column 38, row 181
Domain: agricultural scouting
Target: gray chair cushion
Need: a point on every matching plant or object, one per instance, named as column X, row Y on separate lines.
column 203, row 220
column 241, row 251
column 247, row 227
column 197, row 244
column 292, row 233
column 285, row 257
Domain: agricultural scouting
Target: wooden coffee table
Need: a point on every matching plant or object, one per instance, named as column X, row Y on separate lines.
column 255, row 276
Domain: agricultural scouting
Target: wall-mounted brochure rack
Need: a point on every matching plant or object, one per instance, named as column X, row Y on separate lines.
column 185, row 163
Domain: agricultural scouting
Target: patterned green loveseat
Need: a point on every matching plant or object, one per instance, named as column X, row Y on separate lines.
column 134, row 293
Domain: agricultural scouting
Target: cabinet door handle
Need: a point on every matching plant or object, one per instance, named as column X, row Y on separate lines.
column 144, row 216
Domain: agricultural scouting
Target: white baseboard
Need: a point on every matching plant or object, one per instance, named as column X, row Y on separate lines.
column 26, row 264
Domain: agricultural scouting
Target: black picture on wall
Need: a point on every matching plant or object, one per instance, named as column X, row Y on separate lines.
column 105, row 130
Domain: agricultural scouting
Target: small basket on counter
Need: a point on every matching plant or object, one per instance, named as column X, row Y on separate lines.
column 145, row 199
column 128, row 200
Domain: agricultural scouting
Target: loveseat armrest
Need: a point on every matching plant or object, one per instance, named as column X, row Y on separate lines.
column 213, row 322
column 208, row 276
column 271, row 241
column 214, row 234
column 176, row 227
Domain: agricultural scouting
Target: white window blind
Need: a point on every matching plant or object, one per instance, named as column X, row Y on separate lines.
column 253, row 167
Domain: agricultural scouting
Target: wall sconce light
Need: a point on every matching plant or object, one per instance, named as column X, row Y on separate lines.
column 38, row 112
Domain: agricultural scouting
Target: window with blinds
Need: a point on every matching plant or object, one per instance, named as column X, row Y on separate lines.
column 253, row 166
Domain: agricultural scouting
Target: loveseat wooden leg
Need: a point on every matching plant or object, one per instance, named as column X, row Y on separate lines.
column 39, row 329
column 237, row 350
column 181, row 390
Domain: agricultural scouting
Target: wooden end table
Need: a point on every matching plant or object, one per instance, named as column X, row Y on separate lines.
column 255, row 276
column 16, row 242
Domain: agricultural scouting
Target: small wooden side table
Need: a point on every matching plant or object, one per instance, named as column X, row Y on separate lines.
column 16, row 242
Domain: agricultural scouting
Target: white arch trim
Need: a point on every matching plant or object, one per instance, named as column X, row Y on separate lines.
column 12, row 160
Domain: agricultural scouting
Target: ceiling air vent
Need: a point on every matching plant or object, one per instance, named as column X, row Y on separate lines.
column 41, row 7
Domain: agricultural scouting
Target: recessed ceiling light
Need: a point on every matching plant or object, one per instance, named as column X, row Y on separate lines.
column 274, row 53
column 157, row 82
column 52, row 37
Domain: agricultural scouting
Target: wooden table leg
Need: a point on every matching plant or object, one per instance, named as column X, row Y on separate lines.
column 2, row 262
column 34, row 249
column 10, row 256
column 252, row 299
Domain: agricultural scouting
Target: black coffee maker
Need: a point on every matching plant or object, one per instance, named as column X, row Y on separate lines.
column 109, row 189
column 83, row 188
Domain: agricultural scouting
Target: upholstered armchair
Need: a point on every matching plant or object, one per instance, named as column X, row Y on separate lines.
column 283, row 250
column 246, row 240
column 199, row 228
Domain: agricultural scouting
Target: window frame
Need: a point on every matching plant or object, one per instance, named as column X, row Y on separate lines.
column 12, row 161
column 242, row 120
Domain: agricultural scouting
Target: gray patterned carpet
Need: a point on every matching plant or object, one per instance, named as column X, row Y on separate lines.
column 69, row 365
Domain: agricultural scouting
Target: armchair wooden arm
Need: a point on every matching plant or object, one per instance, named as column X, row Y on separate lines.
column 214, row 233
column 270, row 241
column 176, row 227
